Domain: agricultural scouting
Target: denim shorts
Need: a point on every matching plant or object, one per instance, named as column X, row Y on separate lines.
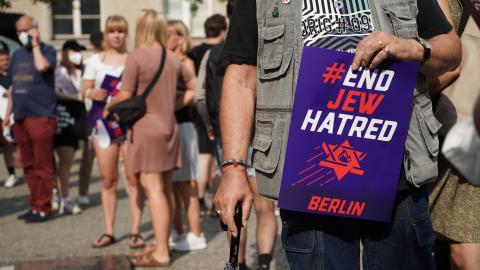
column 316, row 242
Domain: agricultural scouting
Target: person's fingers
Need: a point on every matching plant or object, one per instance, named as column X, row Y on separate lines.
column 227, row 213
column 373, row 47
column 357, row 60
column 381, row 56
column 246, row 208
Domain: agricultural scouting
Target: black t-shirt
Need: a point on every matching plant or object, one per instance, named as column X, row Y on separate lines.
column 4, row 81
column 197, row 53
column 242, row 37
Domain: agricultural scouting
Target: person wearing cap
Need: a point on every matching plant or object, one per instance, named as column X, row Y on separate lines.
column 71, row 116
column 88, row 154
column 32, row 73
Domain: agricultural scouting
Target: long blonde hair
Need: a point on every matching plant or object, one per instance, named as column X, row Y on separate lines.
column 151, row 27
column 181, row 30
column 115, row 22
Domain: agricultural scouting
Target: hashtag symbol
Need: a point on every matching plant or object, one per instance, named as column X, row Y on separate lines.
column 333, row 73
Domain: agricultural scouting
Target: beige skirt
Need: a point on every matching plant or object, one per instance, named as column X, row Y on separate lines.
column 455, row 207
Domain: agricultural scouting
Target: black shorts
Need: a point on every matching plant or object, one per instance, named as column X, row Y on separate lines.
column 71, row 128
column 205, row 145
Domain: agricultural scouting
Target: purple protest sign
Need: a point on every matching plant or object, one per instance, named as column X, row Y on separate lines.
column 347, row 136
column 110, row 84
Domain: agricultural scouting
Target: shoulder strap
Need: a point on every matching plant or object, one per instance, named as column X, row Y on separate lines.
column 157, row 74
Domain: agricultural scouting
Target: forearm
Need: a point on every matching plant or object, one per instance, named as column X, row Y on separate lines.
column 122, row 95
column 184, row 100
column 446, row 54
column 41, row 63
column 69, row 96
column 437, row 84
column 9, row 103
column 237, row 109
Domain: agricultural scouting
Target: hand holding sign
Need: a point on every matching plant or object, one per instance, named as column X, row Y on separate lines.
column 380, row 46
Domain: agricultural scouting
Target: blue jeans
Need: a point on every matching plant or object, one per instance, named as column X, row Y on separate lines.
column 331, row 243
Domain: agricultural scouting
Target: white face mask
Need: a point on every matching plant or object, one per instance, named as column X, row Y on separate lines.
column 24, row 38
column 75, row 58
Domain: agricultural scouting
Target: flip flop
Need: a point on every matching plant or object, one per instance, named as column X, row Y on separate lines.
column 111, row 240
column 134, row 239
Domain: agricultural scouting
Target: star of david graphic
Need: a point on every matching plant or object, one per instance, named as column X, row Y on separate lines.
column 343, row 159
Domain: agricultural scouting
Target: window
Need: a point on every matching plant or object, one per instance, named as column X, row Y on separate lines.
column 75, row 17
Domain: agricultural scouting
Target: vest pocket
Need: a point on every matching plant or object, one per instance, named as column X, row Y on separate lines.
column 277, row 53
column 402, row 18
column 422, row 146
column 267, row 143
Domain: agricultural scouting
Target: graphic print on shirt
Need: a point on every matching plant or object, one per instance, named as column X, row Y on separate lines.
column 335, row 24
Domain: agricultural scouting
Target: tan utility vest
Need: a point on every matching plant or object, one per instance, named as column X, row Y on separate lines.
column 280, row 47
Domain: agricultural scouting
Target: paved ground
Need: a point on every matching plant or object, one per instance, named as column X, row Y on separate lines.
column 69, row 237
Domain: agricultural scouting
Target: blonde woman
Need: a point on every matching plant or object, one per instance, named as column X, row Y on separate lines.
column 185, row 186
column 154, row 141
column 112, row 62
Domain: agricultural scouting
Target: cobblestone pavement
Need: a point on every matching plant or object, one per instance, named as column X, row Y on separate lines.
column 69, row 237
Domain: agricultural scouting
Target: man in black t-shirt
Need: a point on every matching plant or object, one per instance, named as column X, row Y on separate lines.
column 314, row 241
column 215, row 28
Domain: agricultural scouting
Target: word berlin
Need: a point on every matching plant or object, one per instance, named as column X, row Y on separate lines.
column 362, row 102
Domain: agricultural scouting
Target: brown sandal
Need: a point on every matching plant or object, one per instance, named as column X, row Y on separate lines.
column 148, row 261
column 110, row 241
column 136, row 241
column 143, row 252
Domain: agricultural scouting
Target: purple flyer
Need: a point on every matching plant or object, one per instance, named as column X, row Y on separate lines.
column 110, row 84
column 347, row 136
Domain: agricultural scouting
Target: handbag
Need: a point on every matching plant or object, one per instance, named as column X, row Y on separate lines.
column 129, row 111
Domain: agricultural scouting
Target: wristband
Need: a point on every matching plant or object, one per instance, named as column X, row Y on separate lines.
column 234, row 162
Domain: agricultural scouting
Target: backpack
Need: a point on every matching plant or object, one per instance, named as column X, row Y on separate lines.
column 216, row 67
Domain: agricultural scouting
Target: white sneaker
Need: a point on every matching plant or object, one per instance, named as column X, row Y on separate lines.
column 174, row 237
column 83, row 200
column 55, row 200
column 191, row 242
column 11, row 181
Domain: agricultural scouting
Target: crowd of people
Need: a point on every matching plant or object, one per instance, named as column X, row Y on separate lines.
column 168, row 156
column 182, row 144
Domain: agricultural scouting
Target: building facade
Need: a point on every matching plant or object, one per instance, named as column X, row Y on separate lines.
column 66, row 19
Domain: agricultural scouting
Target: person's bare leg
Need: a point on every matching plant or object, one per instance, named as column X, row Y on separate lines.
column 177, row 207
column 215, row 183
column 157, row 187
column 108, row 165
column 136, row 196
column 189, row 191
column 86, row 165
column 65, row 161
column 205, row 162
column 266, row 222
column 8, row 151
column 465, row 256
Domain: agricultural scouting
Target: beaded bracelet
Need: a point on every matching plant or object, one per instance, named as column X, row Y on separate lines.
column 234, row 162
